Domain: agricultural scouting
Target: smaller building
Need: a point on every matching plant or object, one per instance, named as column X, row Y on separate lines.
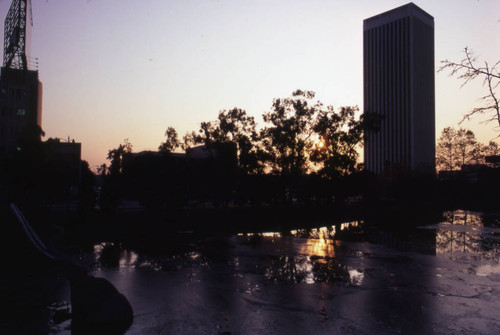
column 64, row 165
column 20, row 108
column 200, row 174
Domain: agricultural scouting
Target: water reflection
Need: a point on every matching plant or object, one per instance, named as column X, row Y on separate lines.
column 315, row 233
column 466, row 234
column 311, row 269
column 322, row 247
column 311, row 260
column 112, row 255
column 303, row 256
column 309, row 255
column 115, row 256
column 326, row 232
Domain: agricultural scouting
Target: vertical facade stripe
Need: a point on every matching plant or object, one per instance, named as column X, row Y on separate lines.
column 398, row 51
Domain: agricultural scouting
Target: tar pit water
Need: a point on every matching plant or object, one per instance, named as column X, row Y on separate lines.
column 444, row 279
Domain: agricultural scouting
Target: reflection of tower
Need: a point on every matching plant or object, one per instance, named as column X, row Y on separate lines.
column 20, row 89
column 399, row 85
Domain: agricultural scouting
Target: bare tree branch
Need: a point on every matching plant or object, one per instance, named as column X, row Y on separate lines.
column 469, row 69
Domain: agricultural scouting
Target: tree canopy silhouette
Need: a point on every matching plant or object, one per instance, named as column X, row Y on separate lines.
column 287, row 139
column 171, row 142
column 116, row 156
column 232, row 126
column 456, row 148
column 340, row 135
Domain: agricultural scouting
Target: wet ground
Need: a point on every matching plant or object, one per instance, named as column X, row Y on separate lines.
column 443, row 279
column 446, row 280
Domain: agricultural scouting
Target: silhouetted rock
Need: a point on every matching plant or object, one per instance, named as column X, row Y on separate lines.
column 98, row 307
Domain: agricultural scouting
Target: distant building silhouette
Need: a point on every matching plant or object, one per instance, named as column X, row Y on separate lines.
column 200, row 174
column 64, row 164
column 20, row 89
column 399, row 85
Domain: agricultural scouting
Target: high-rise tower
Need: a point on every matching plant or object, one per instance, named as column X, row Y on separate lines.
column 399, row 85
column 20, row 89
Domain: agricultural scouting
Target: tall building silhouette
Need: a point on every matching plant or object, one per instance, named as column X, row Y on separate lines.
column 20, row 89
column 399, row 85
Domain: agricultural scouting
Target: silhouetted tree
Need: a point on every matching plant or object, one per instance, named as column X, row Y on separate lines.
column 236, row 126
column 468, row 69
column 116, row 156
column 492, row 149
column 171, row 142
column 468, row 149
column 231, row 126
column 102, row 169
column 456, row 148
column 340, row 134
column 445, row 150
column 287, row 140
column 189, row 140
column 112, row 189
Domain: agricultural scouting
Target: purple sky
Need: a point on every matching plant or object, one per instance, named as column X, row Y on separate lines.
column 116, row 69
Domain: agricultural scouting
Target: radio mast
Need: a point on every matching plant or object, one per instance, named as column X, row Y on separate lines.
column 17, row 33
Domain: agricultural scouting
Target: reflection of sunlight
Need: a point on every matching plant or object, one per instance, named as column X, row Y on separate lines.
column 319, row 247
column 128, row 259
column 347, row 225
column 152, row 265
column 306, row 268
column 194, row 255
column 314, row 233
column 270, row 234
column 321, row 233
column 356, row 277
column 97, row 251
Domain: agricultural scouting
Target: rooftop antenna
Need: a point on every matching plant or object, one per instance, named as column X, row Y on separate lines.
column 16, row 35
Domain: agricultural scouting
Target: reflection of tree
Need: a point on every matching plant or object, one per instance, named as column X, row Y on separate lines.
column 322, row 233
column 309, row 269
column 110, row 255
column 288, row 269
column 463, row 218
column 458, row 241
column 329, row 270
column 453, row 243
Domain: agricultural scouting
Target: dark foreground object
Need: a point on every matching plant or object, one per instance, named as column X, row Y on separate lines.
column 98, row 307
column 36, row 280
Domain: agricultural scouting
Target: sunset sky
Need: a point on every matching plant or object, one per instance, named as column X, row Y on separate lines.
column 116, row 69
